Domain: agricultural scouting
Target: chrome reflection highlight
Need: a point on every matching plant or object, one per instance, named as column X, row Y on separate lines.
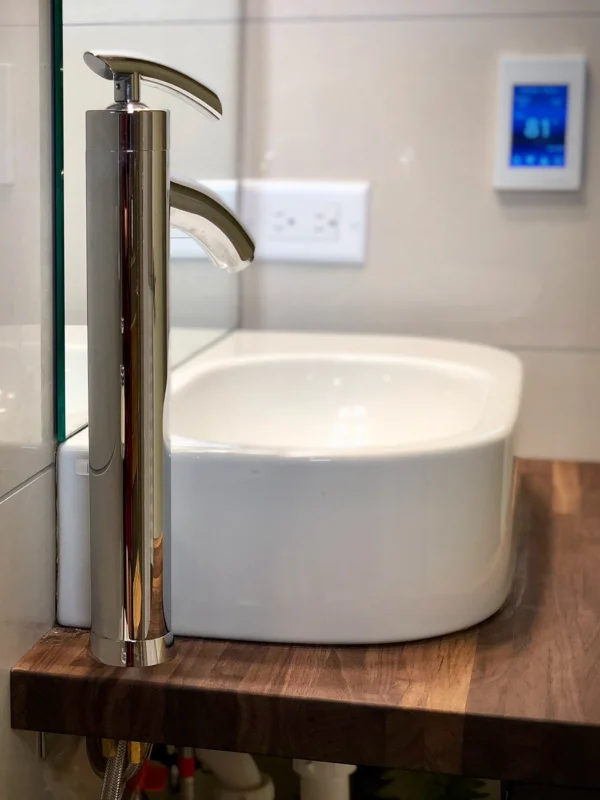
column 128, row 212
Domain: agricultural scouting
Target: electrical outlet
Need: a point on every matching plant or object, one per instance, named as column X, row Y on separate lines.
column 296, row 221
column 283, row 224
column 326, row 222
column 307, row 221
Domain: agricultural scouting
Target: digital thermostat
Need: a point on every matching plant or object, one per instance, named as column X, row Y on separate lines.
column 541, row 103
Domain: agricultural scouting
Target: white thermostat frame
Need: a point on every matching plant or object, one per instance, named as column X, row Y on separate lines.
column 568, row 70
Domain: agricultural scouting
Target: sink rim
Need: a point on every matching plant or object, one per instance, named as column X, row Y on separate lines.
column 501, row 370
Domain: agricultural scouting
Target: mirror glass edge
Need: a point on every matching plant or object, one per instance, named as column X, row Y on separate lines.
column 58, row 220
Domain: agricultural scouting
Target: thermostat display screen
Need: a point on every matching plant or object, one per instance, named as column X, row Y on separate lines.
column 539, row 126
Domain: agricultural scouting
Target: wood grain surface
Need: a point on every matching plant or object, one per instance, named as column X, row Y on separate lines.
column 516, row 698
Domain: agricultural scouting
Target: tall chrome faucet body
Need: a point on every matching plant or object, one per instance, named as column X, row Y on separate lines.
column 128, row 210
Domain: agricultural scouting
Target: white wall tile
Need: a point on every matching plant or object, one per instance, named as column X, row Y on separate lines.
column 360, row 9
column 135, row 12
column 410, row 107
column 561, row 400
column 26, row 379
column 20, row 203
column 27, row 556
column 27, row 605
column 23, row 12
column 27, row 512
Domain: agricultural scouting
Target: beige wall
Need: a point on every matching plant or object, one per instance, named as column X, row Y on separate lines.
column 401, row 93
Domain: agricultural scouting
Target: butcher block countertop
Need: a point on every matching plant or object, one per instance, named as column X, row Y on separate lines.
column 515, row 698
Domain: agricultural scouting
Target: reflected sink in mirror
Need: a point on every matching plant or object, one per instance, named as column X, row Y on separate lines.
column 327, row 489
column 183, row 344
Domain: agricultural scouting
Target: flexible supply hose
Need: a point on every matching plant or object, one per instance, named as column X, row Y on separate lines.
column 112, row 785
column 118, row 773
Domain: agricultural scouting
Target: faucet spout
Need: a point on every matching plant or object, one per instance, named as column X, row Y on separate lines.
column 201, row 214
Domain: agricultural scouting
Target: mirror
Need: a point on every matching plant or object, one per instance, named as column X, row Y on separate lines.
column 201, row 38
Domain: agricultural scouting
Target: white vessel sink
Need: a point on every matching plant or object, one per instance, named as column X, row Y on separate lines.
column 334, row 489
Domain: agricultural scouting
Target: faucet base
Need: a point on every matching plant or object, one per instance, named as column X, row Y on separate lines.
column 141, row 653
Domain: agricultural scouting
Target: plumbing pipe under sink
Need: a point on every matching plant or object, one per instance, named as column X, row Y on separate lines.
column 237, row 776
column 321, row 780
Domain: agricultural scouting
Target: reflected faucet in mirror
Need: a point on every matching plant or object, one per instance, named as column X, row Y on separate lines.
column 130, row 205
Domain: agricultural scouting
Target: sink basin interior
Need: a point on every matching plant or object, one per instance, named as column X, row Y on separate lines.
column 328, row 403
column 326, row 488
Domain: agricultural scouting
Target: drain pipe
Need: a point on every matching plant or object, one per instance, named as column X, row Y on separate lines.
column 320, row 780
column 237, row 776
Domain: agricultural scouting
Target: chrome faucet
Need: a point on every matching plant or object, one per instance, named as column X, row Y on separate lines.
column 130, row 204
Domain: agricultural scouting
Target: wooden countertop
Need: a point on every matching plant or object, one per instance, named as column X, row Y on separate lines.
column 517, row 697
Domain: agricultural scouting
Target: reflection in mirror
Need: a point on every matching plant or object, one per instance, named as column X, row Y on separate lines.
column 202, row 40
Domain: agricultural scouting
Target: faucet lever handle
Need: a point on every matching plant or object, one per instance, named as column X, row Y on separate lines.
column 126, row 69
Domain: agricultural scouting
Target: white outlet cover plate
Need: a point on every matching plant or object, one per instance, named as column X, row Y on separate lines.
column 307, row 221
